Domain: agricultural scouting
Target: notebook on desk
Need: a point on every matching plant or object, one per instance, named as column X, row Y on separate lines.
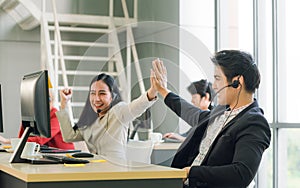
column 41, row 161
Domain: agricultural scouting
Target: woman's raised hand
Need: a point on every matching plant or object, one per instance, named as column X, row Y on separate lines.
column 65, row 97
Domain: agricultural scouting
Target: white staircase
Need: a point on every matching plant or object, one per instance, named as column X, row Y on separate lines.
column 81, row 49
column 25, row 12
column 85, row 52
column 76, row 47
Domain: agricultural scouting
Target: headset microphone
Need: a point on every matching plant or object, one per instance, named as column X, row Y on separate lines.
column 212, row 99
column 99, row 110
column 235, row 84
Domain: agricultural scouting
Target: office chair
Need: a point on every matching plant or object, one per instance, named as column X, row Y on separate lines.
column 139, row 151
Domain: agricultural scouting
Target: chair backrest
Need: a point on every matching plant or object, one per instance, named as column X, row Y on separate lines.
column 139, row 151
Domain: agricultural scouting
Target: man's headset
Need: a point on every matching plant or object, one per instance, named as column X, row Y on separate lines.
column 235, row 84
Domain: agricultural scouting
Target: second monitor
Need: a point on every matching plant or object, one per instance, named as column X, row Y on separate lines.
column 35, row 110
column 1, row 116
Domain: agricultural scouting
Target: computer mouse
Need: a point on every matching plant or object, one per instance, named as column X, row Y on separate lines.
column 82, row 155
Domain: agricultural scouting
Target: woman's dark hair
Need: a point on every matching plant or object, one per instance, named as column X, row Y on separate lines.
column 238, row 63
column 88, row 115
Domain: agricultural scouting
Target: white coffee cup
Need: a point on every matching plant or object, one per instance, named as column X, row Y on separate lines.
column 31, row 149
column 155, row 137
column 14, row 143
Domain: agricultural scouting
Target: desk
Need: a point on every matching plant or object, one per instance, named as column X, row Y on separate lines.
column 112, row 173
column 163, row 153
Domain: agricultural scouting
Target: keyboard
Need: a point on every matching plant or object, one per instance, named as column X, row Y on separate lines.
column 171, row 140
column 65, row 160
column 47, row 149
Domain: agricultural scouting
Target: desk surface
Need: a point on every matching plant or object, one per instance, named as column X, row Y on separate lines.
column 115, row 169
column 163, row 153
column 166, row 146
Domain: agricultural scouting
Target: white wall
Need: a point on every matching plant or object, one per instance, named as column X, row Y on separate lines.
column 197, row 43
column 19, row 54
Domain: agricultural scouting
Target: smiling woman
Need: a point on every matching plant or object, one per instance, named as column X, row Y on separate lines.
column 104, row 121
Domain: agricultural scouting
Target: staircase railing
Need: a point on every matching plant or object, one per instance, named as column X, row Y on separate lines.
column 131, row 43
column 132, row 48
column 58, row 53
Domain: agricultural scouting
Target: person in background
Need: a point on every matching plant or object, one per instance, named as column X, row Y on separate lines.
column 202, row 94
column 226, row 147
column 56, row 139
column 105, row 119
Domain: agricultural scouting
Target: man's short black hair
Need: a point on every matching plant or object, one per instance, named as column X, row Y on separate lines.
column 201, row 87
column 238, row 63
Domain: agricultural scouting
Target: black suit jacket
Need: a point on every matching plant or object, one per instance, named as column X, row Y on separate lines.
column 235, row 154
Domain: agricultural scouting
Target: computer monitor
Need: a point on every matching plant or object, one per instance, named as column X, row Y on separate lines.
column 1, row 116
column 35, row 110
column 142, row 122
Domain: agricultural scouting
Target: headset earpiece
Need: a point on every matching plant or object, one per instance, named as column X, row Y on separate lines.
column 235, row 83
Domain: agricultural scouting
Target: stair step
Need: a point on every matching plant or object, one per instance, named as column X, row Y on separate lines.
column 85, row 44
column 8, row 4
column 80, row 29
column 77, row 104
column 29, row 23
column 87, row 73
column 75, row 88
column 78, row 88
column 88, row 20
column 86, row 58
column 24, row 12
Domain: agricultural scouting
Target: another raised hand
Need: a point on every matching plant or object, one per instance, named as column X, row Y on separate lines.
column 4, row 140
column 174, row 136
column 159, row 77
column 65, row 97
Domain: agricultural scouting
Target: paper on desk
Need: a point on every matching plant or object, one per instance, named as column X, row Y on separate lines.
column 73, row 165
column 98, row 161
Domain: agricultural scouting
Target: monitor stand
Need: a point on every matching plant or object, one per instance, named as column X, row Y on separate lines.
column 16, row 156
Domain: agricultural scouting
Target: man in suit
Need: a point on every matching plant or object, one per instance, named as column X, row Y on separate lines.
column 226, row 144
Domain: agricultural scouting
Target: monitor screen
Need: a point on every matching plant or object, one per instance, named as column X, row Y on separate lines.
column 35, row 110
column 141, row 123
column 1, row 116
